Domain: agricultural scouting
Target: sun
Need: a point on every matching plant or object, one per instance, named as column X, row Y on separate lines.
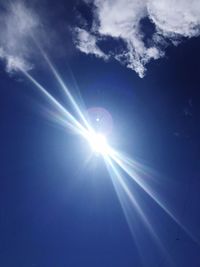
column 98, row 143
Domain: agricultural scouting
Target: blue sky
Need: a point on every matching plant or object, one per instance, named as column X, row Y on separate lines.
column 139, row 61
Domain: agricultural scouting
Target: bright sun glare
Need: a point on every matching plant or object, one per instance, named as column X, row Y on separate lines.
column 99, row 143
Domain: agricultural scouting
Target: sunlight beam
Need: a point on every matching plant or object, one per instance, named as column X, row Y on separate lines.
column 63, row 85
column 127, row 168
column 117, row 177
column 73, row 123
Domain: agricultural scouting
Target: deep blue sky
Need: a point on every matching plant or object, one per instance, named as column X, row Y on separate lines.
column 56, row 212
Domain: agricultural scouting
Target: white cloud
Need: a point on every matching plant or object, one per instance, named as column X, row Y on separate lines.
column 173, row 17
column 122, row 19
column 86, row 43
column 14, row 63
column 17, row 23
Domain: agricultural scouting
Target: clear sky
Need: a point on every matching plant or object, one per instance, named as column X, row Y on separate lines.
column 134, row 65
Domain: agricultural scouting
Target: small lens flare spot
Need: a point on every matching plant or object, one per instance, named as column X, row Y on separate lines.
column 99, row 143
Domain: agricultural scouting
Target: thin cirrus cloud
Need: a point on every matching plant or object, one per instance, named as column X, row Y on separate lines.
column 121, row 20
column 17, row 23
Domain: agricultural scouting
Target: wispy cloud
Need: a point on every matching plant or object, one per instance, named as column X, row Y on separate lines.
column 17, row 23
column 122, row 20
column 86, row 42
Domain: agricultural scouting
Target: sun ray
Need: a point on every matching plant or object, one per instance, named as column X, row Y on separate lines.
column 71, row 121
column 123, row 190
column 127, row 167
column 63, row 86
